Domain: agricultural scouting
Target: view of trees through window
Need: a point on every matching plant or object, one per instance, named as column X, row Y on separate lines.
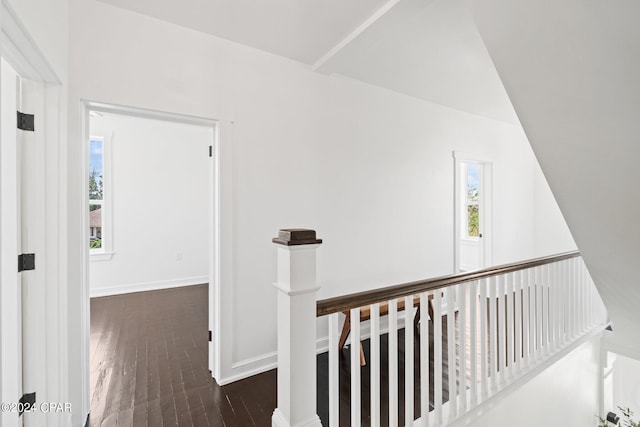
column 96, row 192
column 473, row 200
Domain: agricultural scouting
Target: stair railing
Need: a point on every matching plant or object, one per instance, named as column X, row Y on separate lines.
column 448, row 344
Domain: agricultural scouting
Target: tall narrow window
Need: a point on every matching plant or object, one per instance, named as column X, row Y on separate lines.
column 472, row 210
column 96, row 193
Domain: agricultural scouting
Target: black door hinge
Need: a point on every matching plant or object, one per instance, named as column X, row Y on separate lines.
column 26, row 121
column 211, row 151
column 26, row 402
column 210, row 336
column 26, row 262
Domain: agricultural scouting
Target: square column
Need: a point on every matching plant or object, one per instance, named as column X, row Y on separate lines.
column 297, row 288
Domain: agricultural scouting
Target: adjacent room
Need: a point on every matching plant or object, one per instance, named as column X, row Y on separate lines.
column 150, row 188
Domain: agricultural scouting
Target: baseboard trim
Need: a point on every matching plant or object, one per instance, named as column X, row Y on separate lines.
column 146, row 286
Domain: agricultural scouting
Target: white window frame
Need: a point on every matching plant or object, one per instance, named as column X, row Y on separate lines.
column 104, row 253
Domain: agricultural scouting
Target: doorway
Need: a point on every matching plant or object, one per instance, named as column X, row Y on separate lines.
column 472, row 213
column 150, row 206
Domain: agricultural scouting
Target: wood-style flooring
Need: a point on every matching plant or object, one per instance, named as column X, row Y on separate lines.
column 149, row 368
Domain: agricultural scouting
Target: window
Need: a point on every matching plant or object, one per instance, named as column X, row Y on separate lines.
column 97, row 205
column 472, row 211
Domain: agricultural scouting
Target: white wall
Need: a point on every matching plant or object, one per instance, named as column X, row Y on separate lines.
column 551, row 233
column 563, row 395
column 626, row 386
column 370, row 169
column 159, row 193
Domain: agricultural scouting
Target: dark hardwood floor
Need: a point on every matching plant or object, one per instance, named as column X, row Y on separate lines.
column 149, row 368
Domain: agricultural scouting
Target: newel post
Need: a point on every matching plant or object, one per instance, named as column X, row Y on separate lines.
column 297, row 290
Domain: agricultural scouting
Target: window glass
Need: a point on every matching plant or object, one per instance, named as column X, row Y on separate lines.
column 473, row 199
column 96, row 192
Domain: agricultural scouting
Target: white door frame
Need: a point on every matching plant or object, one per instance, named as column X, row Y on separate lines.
column 48, row 181
column 213, row 224
column 486, row 198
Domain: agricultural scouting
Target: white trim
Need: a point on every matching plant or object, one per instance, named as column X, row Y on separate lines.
column 21, row 51
column 285, row 289
column 97, row 255
column 269, row 362
column 279, row 420
column 150, row 114
column 267, row 358
column 486, row 203
column 147, row 286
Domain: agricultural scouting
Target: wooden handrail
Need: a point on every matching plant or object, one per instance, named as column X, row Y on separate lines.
column 360, row 299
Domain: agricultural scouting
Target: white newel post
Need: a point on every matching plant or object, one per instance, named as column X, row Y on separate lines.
column 297, row 290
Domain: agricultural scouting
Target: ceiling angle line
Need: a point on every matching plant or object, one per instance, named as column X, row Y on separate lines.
column 355, row 33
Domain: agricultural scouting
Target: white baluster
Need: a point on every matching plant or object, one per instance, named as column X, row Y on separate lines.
column 493, row 333
column 502, row 347
column 437, row 356
column 462, row 322
column 451, row 352
column 393, row 363
column 553, row 288
column 355, row 367
column 424, row 358
column 517, row 277
column 547, row 307
column 574, row 306
column 374, row 365
column 484, row 349
column 567, row 289
column 526, row 316
column 334, row 375
column 539, row 323
column 473, row 328
column 408, row 362
column 509, row 279
column 583, row 306
column 564, row 290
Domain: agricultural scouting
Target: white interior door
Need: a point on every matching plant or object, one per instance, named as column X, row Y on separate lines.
column 10, row 291
column 472, row 213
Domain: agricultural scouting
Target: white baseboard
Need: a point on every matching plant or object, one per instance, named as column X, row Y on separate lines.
column 146, row 286
column 249, row 367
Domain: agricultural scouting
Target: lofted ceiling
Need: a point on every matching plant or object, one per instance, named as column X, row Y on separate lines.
column 428, row 49
column 302, row 30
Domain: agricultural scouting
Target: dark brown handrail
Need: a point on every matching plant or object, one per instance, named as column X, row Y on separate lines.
column 361, row 299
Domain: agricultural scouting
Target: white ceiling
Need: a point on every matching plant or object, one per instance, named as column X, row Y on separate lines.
column 303, row 30
column 429, row 49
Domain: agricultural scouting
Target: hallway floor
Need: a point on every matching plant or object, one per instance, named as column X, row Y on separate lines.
column 149, row 368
